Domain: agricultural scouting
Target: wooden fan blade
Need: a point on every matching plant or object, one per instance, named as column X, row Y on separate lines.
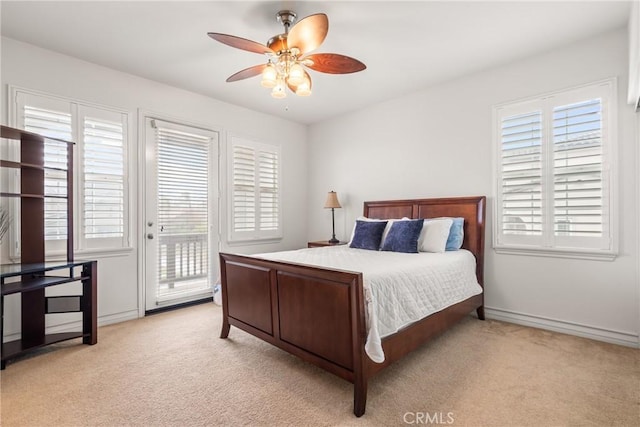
column 333, row 63
column 240, row 43
column 309, row 33
column 246, row 73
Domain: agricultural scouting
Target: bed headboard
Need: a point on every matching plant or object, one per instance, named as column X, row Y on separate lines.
column 472, row 209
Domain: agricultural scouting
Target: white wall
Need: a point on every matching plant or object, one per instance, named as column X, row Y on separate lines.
column 438, row 142
column 31, row 67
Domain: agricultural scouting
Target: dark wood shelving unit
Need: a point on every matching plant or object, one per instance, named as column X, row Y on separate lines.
column 33, row 274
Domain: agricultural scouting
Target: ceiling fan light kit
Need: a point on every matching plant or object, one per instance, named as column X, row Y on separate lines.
column 288, row 55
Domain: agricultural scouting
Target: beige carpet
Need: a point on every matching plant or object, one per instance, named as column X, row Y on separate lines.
column 172, row 369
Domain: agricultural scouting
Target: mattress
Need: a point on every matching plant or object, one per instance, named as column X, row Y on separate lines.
column 399, row 288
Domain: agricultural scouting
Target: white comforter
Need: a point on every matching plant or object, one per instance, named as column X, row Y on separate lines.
column 399, row 288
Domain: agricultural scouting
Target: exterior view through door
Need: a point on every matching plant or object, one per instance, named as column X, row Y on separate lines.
column 181, row 201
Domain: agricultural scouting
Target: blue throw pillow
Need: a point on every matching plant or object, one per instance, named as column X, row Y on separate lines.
column 368, row 235
column 456, row 235
column 403, row 236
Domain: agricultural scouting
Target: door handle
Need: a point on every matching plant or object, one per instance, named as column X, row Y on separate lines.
column 150, row 236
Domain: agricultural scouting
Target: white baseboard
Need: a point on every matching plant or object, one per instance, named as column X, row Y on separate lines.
column 599, row 334
column 118, row 317
column 615, row 337
column 77, row 324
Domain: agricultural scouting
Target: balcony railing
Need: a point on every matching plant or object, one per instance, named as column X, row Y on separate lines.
column 183, row 264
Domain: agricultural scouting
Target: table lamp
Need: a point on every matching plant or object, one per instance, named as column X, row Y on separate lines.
column 333, row 203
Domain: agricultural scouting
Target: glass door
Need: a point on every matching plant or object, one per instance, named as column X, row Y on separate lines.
column 181, row 203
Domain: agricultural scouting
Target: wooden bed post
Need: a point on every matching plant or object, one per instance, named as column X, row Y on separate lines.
column 359, row 395
column 224, row 333
column 479, row 252
column 359, row 338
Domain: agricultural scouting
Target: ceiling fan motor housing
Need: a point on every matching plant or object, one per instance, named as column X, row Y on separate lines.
column 278, row 43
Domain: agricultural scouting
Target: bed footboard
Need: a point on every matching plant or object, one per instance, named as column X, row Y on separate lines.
column 314, row 313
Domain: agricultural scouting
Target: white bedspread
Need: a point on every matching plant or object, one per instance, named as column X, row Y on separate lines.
column 399, row 288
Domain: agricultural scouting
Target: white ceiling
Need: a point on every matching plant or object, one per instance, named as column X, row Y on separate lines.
column 406, row 46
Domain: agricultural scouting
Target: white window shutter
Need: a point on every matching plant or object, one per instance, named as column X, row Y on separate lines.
column 577, row 169
column 100, row 169
column 103, row 179
column 255, row 196
column 521, row 173
column 269, row 209
column 555, row 173
column 244, row 189
column 54, row 124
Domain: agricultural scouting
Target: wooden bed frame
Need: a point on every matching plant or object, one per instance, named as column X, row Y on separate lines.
column 318, row 314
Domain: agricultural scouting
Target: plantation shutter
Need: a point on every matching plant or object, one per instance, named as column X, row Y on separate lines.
column 255, row 199
column 100, row 169
column 577, row 169
column 521, row 164
column 54, row 124
column 269, row 218
column 244, row 189
column 103, row 173
column 554, row 180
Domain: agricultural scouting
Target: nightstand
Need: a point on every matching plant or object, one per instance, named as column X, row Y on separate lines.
column 322, row 243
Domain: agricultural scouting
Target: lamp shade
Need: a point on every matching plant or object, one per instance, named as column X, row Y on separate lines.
column 332, row 200
column 269, row 76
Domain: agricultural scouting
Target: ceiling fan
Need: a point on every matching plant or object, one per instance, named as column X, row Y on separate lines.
column 288, row 55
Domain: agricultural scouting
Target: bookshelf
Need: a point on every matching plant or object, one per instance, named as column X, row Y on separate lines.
column 33, row 275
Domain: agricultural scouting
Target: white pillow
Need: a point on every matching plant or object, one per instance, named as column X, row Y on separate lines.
column 434, row 235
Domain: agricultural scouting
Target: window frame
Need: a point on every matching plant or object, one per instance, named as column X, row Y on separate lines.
column 257, row 236
column 78, row 109
column 548, row 244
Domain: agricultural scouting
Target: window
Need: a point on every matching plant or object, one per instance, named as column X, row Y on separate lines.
column 555, row 180
column 255, row 191
column 100, row 178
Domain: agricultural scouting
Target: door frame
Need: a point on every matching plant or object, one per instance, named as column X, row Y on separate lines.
column 143, row 115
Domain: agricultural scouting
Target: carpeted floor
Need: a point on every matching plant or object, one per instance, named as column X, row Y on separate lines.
column 172, row 369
